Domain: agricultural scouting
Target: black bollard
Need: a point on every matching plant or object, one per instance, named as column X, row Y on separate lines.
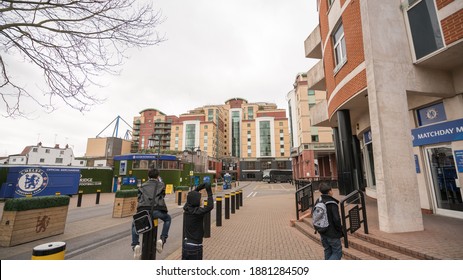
column 237, row 200
column 98, row 192
column 241, row 197
column 233, row 202
column 218, row 214
column 227, row 206
column 79, row 199
column 207, row 223
column 148, row 245
column 179, row 197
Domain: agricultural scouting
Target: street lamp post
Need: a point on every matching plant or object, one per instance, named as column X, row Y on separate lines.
column 191, row 150
column 159, row 152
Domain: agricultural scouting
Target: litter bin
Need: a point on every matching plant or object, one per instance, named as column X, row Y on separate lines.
column 49, row 251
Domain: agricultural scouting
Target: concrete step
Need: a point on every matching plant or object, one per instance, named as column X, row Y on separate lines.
column 348, row 253
column 364, row 246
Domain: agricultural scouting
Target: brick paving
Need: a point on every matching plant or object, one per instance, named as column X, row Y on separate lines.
column 261, row 230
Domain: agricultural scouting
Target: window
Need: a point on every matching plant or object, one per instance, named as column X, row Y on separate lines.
column 314, row 138
column 424, row 28
column 42, row 160
column 265, row 140
column 47, row 151
column 339, row 47
column 59, row 160
column 34, row 150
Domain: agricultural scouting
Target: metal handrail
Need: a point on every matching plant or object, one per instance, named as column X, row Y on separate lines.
column 354, row 216
column 304, row 197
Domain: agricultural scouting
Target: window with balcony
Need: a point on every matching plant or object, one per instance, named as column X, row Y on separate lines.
column 424, row 28
column 339, row 46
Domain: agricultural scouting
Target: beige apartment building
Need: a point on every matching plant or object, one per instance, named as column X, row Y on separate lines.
column 245, row 138
column 393, row 74
column 312, row 148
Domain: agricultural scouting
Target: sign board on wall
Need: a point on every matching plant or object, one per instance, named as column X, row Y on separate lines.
column 459, row 160
column 438, row 133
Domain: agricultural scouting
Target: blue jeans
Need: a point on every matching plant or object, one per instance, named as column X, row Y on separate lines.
column 333, row 248
column 192, row 252
column 165, row 217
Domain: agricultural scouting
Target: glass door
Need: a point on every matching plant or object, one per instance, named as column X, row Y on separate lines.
column 444, row 175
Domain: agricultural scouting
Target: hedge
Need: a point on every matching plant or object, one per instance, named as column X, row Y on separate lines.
column 127, row 193
column 38, row 202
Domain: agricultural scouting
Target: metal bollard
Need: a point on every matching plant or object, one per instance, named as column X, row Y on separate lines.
column 179, row 197
column 49, row 251
column 237, row 200
column 79, row 198
column 207, row 223
column 98, row 192
column 233, row 202
column 148, row 247
column 241, row 198
column 227, row 206
column 218, row 214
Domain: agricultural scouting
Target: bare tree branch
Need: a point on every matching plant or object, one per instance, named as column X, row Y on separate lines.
column 72, row 43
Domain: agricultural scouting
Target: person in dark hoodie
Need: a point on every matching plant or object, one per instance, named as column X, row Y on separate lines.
column 151, row 197
column 331, row 239
column 193, row 226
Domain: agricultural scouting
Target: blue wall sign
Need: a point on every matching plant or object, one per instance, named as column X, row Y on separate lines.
column 438, row 133
column 41, row 180
column 367, row 137
column 459, row 160
column 432, row 114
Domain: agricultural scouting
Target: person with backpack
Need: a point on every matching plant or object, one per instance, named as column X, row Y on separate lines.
column 151, row 197
column 193, row 221
column 327, row 222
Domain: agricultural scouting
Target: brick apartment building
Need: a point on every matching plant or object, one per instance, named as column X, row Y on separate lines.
column 393, row 74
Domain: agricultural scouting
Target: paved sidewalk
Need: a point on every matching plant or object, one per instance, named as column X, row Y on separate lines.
column 259, row 230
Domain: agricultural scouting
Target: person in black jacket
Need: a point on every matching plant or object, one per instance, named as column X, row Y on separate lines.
column 151, row 197
column 331, row 239
column 193, row 226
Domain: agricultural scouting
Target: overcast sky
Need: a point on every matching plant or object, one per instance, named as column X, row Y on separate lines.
column 215, row 50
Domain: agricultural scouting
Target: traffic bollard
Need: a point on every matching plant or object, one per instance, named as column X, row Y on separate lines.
column 207, row 223
column 148, row 247
column 179, row 197
column 98, row 192
column 227, row 206
column 79, row 199
column 218, row 214
column 233, row 202
column 237, row 200
column 49, row 251
column 241, row 197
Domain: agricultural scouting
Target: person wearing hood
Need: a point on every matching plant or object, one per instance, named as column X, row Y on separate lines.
column 193, row 217
column 151, row 197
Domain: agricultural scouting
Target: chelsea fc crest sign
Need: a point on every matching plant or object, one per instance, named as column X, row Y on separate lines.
column 31, row 181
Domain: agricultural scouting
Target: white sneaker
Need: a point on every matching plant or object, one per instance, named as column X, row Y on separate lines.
column 137, row 252
column 159, row 246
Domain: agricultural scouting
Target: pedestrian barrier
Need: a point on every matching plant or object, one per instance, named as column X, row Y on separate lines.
column 233, row 200
column 98, row 192
column 207, row 223
column 79, row 198
column 304, row 197
column 49, row 251
column 227, row 206
column 218, row 221
column 148, row 248
column 352, row 202
column 179, row 197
